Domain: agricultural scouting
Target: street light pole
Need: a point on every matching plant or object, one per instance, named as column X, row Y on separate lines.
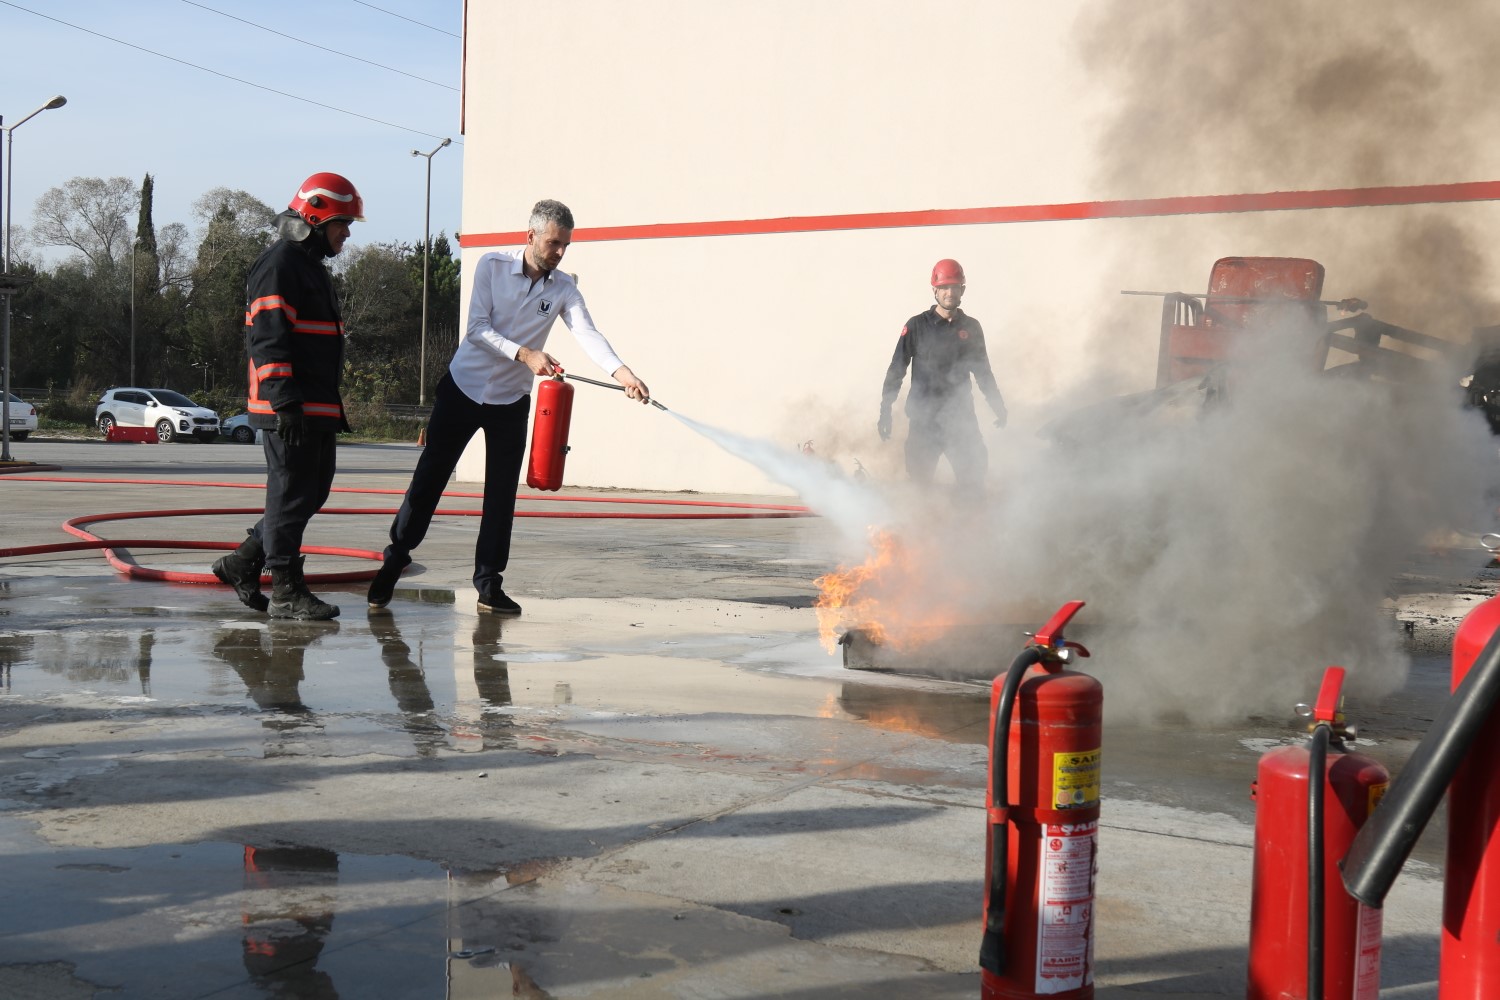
column 8, row 285
column 426, row 268
column 132, row 314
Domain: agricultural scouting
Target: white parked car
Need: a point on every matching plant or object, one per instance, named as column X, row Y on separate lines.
column 22, row 418
column 171, row 413
column 237, row 428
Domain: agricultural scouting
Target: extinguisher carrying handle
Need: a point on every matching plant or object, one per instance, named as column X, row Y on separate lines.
column 992, row 947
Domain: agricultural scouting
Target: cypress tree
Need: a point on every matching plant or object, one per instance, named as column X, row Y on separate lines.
column 148, row 276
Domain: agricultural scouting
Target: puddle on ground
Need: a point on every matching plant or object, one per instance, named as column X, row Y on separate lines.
column 287, row 920
column 429, row 677
column 425, row 676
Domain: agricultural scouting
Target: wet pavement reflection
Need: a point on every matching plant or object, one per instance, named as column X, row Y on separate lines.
column 431, row 680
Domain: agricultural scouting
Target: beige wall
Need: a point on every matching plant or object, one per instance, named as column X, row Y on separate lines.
column 665, row 111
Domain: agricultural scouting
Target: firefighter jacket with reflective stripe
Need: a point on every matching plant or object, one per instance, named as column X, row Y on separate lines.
column 294, row 336
column 943, row 354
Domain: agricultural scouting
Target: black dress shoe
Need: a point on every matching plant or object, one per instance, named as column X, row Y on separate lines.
column 384, row 584
column 493, row 600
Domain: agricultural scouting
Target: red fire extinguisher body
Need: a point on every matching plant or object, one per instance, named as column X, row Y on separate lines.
column 1470, row 951
column 1353, row 784
column 1053, row 767
column 549, row 434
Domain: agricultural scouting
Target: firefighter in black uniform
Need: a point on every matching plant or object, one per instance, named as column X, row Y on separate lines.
column 295, row 339
column 944, row 346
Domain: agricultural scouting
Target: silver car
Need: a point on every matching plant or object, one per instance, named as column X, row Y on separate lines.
column 237, row 428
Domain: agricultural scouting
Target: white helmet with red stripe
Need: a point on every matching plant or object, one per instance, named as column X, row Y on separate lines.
column 326, row 196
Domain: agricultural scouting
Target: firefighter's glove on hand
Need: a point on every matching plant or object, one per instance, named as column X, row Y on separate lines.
column 884, row 427
column 290, row 425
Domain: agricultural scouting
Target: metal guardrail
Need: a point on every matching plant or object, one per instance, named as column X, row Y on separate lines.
column 411, row 411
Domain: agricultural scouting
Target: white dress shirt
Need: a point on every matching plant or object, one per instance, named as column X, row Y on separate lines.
column 507, row 312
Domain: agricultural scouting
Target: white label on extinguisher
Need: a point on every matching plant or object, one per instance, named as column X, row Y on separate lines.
column 1065, row 920
column 1367, row 959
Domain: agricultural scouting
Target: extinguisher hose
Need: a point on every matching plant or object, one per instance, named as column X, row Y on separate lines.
column 1317, row 761
column 610, row 385
column 992, row 948
column 1382, row 844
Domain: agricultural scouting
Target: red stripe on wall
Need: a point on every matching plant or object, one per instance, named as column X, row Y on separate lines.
column 1273, row 201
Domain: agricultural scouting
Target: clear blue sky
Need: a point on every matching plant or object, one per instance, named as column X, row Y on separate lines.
column 131, row 112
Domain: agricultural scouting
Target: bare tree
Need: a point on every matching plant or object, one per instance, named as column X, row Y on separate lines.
column 229, row 217
column 174, row 256
column 90, row 215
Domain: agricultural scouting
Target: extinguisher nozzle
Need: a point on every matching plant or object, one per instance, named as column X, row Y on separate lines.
column 657, row 405
column 992, row 952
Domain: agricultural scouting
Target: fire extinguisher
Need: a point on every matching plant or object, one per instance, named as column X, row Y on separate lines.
column 549, row 434
column 1470, row 964
column 1309, row 938
column 1042, row 807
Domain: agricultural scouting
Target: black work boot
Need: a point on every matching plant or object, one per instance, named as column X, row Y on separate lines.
column 290, row 597
column 384, row 584
column 241, row 570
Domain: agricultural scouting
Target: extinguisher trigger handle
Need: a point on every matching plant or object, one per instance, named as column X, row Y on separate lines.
column 1051, row 634
column 1330, row 696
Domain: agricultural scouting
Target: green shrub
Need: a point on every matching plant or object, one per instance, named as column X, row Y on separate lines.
column 371, row 420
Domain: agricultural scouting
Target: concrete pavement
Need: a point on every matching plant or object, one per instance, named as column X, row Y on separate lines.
column 656, row 783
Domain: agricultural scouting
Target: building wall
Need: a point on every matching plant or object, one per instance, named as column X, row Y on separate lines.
column 671, row 111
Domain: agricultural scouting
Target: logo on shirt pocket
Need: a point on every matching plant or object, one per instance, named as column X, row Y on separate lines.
column 545, row 308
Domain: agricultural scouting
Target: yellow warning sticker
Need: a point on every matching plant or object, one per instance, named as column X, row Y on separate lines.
column 1075, row 779
column 1377, row 792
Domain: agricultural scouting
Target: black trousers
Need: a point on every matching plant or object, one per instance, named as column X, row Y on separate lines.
column 950, row 430
column 455, row 419
column 298, row 478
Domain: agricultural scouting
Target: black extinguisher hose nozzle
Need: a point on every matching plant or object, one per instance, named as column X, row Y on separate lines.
column 610, row 385
column 992, row 947
column 1317, row 762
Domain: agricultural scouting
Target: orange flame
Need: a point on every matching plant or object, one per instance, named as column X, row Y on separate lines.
column 887, row 597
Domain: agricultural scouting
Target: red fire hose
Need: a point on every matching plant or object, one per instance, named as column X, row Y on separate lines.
column 723, row 510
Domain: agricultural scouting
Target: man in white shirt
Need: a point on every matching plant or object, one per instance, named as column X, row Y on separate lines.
column 516, row 298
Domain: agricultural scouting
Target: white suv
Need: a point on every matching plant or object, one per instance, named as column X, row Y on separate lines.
column 171, row 413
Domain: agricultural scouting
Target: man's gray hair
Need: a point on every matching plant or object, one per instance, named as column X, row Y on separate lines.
column 546, row 212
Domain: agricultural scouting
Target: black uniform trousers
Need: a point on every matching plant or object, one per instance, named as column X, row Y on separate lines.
column 455, row 419
column 947, row 429
column 298, row 479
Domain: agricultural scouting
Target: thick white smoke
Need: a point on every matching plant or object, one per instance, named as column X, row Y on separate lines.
column 1227, row 552
column 1231, row 556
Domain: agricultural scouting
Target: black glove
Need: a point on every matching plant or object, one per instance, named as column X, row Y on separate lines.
column 290, row 425
column 884, row 426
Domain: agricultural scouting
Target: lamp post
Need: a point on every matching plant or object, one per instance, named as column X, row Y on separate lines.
column 132, row 313
column 426, row 268
column 8, row 284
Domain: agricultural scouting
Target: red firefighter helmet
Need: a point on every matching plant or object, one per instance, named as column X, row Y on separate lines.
column 326, row 196
column 947, row 272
